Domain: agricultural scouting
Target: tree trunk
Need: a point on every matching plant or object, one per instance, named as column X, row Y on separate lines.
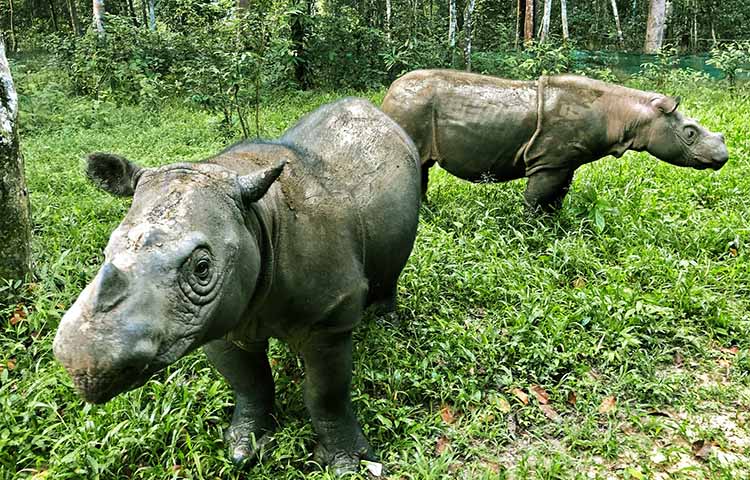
column 616, row 14
column 72, row 10
column 545, row 20
column 13, row 45
column 528, row 23
column 98, row 13
column 655, row 26
column 131, row 10
column 53, row 15
column 15, row 222
column 469, row 31
column 564, row 19
column 388, row 19
column 298, row 27
column 453, row 21
column 519, row 7
column 144, row 13
column 151, row 15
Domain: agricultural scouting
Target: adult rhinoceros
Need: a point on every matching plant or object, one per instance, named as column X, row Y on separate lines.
column 479, row 127
column 289, row 239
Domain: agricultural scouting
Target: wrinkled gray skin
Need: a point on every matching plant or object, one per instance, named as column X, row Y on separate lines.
column 480, row 128
column 290, row 239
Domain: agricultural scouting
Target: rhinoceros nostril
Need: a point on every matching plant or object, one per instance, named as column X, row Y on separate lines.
column 111, row 288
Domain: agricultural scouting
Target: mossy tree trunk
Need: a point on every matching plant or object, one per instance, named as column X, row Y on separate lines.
column 15, row 224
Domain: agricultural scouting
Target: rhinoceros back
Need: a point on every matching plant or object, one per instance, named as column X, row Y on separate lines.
column 472, row 125
column 358, row 154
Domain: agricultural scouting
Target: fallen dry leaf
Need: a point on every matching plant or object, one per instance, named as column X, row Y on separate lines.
column 442, row 445
column 489, row 418
column 732, row 350
column 608, row 404
column 503, row 405
column 447, row 415
column 579, row 282
column 520, row 395
column 549, row 412
column 492, row 466
column 572, row 398
column 541, row 394
column 678, row 359
column 702, row 449
column 19, row 314
column 724, row 363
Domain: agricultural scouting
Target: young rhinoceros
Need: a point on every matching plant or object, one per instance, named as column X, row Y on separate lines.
column 479, row 127
column 289, row 239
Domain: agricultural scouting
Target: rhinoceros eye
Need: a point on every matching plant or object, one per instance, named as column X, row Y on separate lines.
column 198, row 278
column 690, row 134
column 202, row 268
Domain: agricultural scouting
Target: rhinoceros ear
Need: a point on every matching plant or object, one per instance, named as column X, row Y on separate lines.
column 112, row 173
column 666, row 105
column 254, row 186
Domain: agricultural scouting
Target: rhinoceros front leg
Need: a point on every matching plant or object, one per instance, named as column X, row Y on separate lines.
column 328, row 374
column 546, row 189
column 249, row 374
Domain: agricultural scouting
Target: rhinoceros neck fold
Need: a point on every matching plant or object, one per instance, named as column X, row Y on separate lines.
column 262, row 225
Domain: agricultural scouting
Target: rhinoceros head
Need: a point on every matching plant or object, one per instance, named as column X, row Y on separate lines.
column 682, row 141
column 178, row 271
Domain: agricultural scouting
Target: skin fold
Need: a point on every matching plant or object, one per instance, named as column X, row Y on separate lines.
column 290, row 239
column 482, row 128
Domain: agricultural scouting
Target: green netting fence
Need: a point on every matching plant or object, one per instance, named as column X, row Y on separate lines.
column 623, row 63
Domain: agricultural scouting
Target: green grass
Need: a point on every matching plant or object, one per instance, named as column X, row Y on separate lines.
column 631, row 291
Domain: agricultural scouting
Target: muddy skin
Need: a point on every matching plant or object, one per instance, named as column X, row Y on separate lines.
column 479, row 127
column 290, row 239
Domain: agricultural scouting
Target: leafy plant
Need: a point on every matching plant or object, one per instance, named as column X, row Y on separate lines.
column 731, row 58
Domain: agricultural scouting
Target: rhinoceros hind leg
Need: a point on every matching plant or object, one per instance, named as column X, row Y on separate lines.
column 546, row 190
column 426, row 177
column 328, row 374
column 249, row 375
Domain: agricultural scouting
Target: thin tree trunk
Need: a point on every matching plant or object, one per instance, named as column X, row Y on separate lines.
column 133, row 15
column 655, row 26
column 528, row 24
column 144, row 13
column 518, row 22
column 388, row 19
column 15, row 221
column 469, row 30
column 13, row 45
column 695, row 27
column 151, row 15
column 73, row 11
column 453, row 21
column 545, row 20
column 98, row 13
column 564, row 18
column 53, row 15
column 616, row 14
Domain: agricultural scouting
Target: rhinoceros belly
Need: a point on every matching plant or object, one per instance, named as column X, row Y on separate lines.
column 480, row 129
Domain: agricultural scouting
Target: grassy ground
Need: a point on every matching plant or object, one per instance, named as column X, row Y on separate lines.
column 610, row 341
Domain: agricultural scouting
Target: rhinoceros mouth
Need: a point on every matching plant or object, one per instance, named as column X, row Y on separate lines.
column 101, row 387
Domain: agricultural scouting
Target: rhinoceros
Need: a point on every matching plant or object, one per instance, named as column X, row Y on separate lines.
column 481, row 128
column 290, row 239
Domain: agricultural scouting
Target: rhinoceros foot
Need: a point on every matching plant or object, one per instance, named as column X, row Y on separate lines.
column 342, row 462
column 246, row 446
